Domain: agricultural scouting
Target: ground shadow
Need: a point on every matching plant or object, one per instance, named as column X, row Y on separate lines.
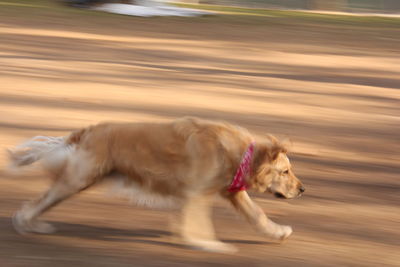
column 104, row 233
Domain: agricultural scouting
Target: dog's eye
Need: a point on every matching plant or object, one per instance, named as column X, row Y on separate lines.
column 286, row 172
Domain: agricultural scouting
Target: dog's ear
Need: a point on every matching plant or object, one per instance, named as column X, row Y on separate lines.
column 276, row 147
column 275, row 150
column 268, row 151
column 261, row 154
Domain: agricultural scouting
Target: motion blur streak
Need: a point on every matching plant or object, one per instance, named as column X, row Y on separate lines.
column 328, row 83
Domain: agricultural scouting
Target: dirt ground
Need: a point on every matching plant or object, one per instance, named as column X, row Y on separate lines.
column 331, row 87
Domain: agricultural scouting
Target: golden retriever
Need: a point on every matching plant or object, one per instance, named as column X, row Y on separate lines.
column 188, row 161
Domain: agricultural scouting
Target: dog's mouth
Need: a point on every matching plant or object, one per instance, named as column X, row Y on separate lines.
column 279, row 195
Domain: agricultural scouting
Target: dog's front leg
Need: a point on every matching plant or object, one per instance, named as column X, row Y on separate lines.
column 256, row 216
column 197, row 228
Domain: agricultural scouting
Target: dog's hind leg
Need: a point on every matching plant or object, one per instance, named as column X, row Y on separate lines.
column 76, row 177
column 256, row 216
column 25, row 220
column 197, row 228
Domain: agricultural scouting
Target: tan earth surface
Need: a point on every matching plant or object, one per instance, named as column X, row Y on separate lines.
column 331, row 87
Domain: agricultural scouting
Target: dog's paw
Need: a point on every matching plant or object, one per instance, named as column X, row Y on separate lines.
column 20, row 225
column 212, row 246
column 277, row 232
column 220, row 247
column 41, row 227
column 284, row 232
column 23, row 226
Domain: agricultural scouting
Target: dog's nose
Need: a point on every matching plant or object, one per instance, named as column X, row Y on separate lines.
column 302, row 189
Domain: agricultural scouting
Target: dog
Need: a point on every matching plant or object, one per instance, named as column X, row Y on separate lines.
column 188, row 161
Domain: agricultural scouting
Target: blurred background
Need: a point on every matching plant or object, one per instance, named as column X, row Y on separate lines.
column 386, row 6
column 330, row 82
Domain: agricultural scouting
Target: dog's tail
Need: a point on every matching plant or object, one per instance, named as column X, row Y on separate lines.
column 52, row 151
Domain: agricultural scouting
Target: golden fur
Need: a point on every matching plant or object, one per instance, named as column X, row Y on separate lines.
column 188, row 160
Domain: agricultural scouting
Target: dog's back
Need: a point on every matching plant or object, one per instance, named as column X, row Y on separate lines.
column 171, row 158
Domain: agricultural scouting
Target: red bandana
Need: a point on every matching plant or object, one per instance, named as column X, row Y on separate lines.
column 239, row 181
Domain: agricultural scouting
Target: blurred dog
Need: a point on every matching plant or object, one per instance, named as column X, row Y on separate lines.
column 188, row 160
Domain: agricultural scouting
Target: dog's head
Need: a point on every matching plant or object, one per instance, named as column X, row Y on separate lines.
column 272, row 171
